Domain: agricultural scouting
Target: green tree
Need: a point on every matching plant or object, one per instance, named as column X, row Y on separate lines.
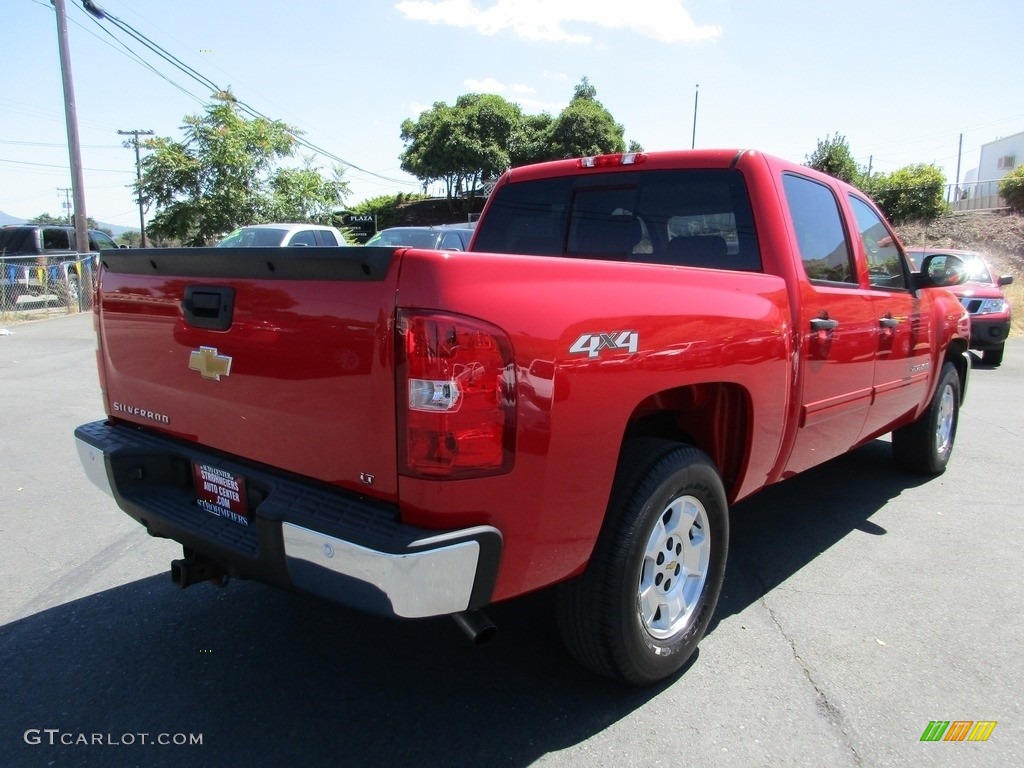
column 1011, row 187
column 224, row 174
column 386, row 207
column 130, row 237
column 302, row 194
column 463, row 144
column 585, row 127
column 534, row 144
column 426, row 155
column 913, row 192
column 483, row 135
column 46, row 219
column 833, row 157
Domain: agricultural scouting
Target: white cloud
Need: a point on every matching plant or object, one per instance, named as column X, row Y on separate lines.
column 489, row 85
column 543, row 20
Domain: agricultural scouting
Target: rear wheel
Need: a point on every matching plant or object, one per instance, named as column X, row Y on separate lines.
column 643, row 604
column 993, row 357
column 925, row 445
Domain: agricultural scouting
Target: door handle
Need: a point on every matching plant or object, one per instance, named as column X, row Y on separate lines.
column 208, row 306
column 823, row 324
column 889, row 322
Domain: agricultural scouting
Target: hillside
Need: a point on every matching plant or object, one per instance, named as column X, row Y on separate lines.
column 998, row 234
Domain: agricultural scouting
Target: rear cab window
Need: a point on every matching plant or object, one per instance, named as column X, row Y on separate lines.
column 699, row 218
column 821, row 237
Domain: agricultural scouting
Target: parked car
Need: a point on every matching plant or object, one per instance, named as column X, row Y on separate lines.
column 982, row 296
column 283, row 235
column 444, row 237
column 40, row 260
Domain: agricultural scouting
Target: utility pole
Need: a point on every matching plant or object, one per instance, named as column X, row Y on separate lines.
column 138, row 178
column 67, row 202
column 71, row 118
column 696, row 93
column 959, row 155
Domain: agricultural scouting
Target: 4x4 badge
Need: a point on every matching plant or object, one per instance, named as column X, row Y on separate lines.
column 209, row 363
column 593, row 343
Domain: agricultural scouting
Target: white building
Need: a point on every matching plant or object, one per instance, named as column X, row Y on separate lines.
column 1001, row 156
column 980, row 187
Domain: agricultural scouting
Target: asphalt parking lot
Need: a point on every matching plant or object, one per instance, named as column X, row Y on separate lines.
column 860, row 605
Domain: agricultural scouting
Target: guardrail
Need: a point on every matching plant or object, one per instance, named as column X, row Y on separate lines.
column 43, row 282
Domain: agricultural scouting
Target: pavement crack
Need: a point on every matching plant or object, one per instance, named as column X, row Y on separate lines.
column 825, row 705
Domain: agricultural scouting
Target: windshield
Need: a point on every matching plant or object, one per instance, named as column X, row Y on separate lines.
column 977, row 270
column 252, row 237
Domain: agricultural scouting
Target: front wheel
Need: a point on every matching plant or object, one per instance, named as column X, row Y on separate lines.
column 643, row 604
column 925, row 445
column 993, row 357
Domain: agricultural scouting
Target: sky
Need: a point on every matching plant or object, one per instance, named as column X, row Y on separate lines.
column 901, row 80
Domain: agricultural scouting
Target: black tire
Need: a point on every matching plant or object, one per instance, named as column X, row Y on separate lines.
column 607, row 616
column 993, row 357
column 924, row 446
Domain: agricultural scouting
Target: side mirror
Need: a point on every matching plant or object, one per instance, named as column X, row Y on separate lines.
column 942, row 270
column 1005, row 280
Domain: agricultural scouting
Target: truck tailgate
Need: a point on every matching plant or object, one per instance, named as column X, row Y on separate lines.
column 278, row 355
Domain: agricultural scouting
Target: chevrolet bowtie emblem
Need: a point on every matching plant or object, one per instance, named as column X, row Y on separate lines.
column 210, row 364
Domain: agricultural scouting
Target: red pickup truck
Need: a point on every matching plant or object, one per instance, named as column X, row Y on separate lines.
column 632, row 343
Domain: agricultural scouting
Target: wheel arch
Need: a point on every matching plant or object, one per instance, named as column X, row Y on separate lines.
column 714, row 417
column 957, row 354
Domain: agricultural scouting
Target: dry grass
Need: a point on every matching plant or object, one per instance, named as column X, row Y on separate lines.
column 1015, row 295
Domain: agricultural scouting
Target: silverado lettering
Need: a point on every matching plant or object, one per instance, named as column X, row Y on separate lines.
column 142, row 413
column 420, row 433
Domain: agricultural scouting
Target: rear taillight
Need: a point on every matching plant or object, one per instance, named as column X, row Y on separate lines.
column 456, row 396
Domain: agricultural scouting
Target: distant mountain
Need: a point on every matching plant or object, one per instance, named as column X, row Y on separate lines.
column 116, row 230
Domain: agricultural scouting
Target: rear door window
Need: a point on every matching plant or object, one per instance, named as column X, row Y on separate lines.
column 325, row 238
column 303, row 237
column 56, row 239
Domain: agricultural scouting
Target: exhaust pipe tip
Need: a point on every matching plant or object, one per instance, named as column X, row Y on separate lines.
column 478, row 628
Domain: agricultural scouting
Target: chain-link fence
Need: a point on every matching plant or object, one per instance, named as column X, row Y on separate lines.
column 60, row 283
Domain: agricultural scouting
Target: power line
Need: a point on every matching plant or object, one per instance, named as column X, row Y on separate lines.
column 96, row 14
column 64, row 167
column 56, row 144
